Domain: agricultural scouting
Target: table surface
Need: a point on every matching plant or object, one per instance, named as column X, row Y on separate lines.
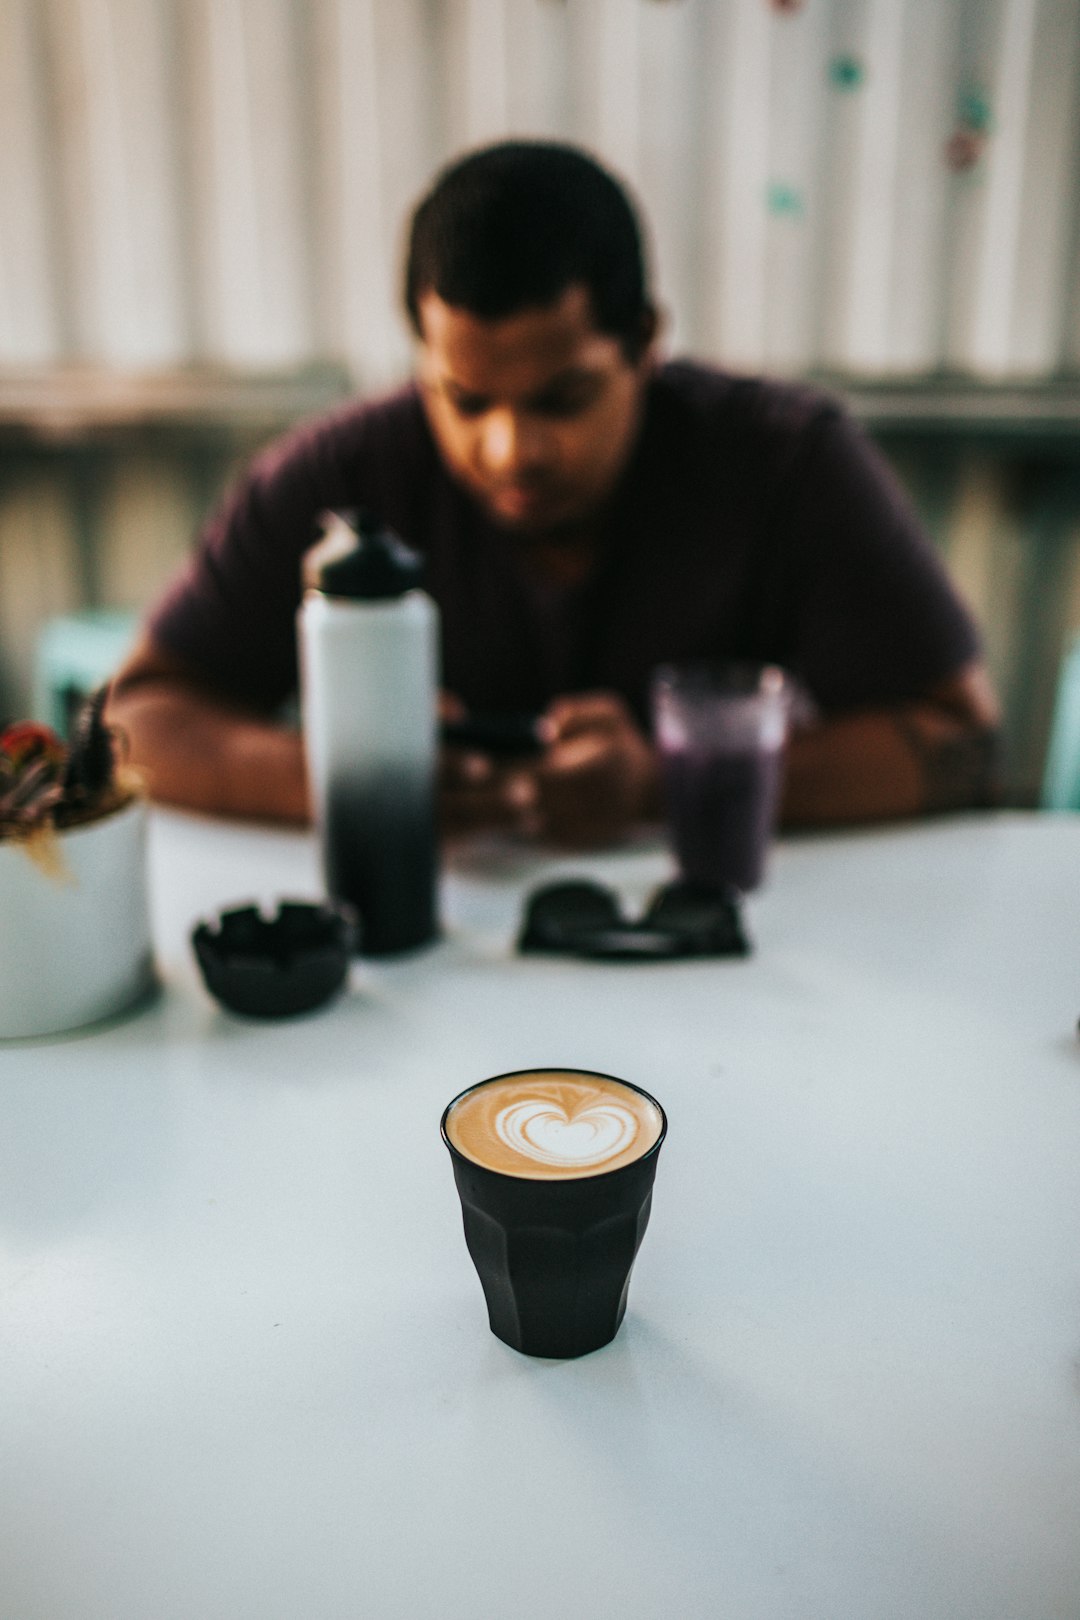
column 245, row 1369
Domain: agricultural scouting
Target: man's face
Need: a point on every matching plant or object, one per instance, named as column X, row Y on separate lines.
column 535, row 413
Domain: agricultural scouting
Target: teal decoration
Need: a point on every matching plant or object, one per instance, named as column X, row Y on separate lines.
column 846, row 73
column 784, row 200
column 973, row 110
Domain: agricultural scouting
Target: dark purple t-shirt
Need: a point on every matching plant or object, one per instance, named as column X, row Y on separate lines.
column 754, row 521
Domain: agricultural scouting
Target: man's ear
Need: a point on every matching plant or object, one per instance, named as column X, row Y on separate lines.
column 650, row 326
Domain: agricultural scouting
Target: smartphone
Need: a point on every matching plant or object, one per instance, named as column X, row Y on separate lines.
column 503, row 736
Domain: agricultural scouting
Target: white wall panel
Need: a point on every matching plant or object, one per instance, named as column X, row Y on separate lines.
column 736, row 137
column 925, row 119
column 538, row 80
column 249, row 103
column 505, row 70
column 116, row 135
column 1072, row 330
column 30, row 322
column 796, row 187
column 997, row 52
column 668, row 156
column 229, row 179
column 377, row 145
column 605, row 61
column 1050, row 193
column 863, row 137
column 478, row 59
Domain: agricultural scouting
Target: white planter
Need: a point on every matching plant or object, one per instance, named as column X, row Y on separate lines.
column 74, row 952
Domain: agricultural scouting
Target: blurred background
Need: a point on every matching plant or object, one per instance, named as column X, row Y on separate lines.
column 202, row 206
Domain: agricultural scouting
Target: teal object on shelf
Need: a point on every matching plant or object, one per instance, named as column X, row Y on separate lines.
column 75, row 654
column 1061, row 781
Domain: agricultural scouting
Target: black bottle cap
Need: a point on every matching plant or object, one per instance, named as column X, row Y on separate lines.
column 379, row 565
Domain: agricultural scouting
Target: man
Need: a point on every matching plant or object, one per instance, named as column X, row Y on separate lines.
column 586, row 513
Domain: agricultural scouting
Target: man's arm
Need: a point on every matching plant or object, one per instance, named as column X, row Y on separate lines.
column 938, row 753
column 200, row 752
column 599, row 775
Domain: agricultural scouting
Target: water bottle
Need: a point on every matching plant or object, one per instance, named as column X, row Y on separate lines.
column 368, row 686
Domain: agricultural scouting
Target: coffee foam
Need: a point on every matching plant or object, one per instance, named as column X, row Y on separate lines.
column 553, row 1124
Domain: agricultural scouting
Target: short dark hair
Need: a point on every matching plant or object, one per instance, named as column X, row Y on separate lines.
column 512, row 226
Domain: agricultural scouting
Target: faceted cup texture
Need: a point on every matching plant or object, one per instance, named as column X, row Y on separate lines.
column 554, row 1257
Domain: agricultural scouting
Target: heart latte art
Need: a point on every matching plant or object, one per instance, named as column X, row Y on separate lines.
column 542, row 1130
column 553, row 1124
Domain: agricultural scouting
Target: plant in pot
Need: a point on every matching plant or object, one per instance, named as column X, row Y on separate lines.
column 74, row 924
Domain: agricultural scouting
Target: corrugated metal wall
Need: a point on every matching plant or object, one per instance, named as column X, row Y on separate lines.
column 861, row 186
column 866, row 184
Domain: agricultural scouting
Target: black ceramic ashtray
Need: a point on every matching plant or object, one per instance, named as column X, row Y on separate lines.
column 272, row 967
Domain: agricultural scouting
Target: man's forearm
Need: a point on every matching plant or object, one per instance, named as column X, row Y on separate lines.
column 202, row 755
column 876, row 765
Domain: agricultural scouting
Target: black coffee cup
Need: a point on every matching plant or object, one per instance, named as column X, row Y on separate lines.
column 554, row 1255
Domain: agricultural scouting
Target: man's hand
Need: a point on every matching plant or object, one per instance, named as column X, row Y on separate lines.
column 595, row 779
column 476, row 791
column 598, row 777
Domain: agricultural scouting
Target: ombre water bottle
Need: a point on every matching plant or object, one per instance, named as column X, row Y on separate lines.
column 369, row 687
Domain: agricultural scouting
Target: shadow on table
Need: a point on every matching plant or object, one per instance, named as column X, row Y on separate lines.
column 654, row 1415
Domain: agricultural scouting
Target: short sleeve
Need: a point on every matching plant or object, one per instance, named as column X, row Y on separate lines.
column 230, row 614
column 871, row 614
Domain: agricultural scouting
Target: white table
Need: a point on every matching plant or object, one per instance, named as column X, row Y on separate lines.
column 245, row 1369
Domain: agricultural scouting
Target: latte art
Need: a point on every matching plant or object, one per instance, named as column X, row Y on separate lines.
column 541, row 1130
column 553, row 1124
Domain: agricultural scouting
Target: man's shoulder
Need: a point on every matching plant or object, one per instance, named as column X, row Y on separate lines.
column 733, row 401
column 391, row 424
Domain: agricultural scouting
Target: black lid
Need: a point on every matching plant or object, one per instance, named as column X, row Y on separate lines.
column 380, row 565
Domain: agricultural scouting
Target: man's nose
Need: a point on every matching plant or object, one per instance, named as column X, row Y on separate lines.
column 512, row 443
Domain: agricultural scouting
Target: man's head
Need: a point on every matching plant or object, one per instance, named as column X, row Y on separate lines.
column 512, row 226
column 525, row 283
